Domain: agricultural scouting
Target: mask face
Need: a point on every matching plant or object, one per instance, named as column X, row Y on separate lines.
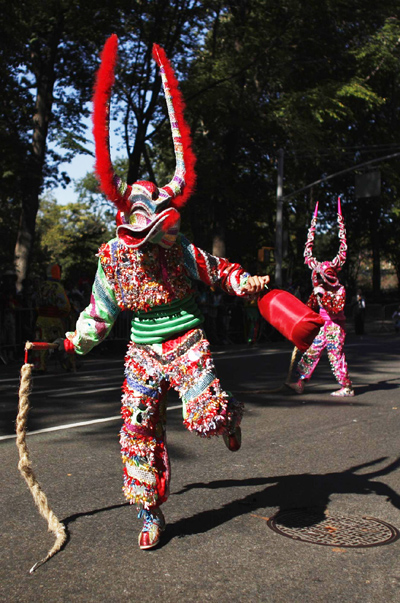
column 325, row 274
column 150, row 219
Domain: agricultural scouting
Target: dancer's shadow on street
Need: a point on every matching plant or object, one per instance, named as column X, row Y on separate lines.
column 379, row 386
column 285, row 492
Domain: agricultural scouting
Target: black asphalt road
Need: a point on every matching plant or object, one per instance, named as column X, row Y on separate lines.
column 340, row 456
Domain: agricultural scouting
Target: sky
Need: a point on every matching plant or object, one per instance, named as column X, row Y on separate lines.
column 78, row 168
column 82, row 164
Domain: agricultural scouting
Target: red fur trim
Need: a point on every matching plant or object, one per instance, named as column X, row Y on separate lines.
column 102, row 91
column 179, row 107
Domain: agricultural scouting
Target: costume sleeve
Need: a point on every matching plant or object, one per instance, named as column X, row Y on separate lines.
column 213, row 270
column 96, row 321
column 334, row 302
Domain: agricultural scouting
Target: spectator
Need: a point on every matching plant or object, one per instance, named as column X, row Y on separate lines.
column 359, row 313
column 396, row 318
column 53, row 307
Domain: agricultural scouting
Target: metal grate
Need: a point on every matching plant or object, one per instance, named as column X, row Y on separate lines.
column 316, row 527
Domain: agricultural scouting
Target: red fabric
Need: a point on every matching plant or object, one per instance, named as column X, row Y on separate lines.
column 293, row 319
column 202, row 267
column 102, row 91
column 40, row 345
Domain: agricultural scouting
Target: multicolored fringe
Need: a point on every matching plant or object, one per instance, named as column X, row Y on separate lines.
column 185, row 364
column 331, row 337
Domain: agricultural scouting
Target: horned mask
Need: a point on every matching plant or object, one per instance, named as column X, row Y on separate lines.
column 146, row 213
column 327, row 271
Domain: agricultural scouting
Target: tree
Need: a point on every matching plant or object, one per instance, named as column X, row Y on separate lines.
column 319, row 80
column 177, row 26
column 69, row 235
column 57, row 52
column 311, row 79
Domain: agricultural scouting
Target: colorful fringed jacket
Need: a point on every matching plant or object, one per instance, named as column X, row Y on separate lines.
column 330, row 304
column 156, row 284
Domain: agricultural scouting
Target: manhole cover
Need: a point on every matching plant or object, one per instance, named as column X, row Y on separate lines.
column 310, row 525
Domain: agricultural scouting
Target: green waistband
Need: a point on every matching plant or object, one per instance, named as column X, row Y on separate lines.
column 162, row 322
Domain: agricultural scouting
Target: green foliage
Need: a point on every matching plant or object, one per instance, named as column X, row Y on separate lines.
column 71, row 236
column 318, row 79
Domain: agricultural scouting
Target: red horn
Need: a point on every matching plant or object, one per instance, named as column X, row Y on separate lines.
column 115, row 190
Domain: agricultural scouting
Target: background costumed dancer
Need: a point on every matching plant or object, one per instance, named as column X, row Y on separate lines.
column 53, row 307
column 148, row 269
column 329, row 297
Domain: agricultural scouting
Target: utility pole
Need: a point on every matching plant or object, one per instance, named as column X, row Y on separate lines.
column 279, row 222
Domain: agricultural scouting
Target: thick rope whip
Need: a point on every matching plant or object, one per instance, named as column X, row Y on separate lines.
column 292, row 361
column 25, row 466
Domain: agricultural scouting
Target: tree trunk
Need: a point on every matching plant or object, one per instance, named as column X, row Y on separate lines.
column 376, row 270
column 136, row 155
column 375, row 244
column 143, row 122
column 43, row 55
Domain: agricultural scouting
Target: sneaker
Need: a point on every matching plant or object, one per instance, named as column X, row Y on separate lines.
column 344, row 392
column 153, row 525
column 233, row 441
column 297, row 387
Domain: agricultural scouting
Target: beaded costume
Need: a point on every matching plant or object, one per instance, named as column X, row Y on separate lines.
column 149, row 269
column 168, row 348
column 328, row 297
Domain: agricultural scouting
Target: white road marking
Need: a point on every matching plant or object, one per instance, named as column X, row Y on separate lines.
column 74, row 425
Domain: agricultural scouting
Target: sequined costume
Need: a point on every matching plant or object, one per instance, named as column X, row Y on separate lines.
column 331, row 336
column 149, row 269
column 328, row 297
column 168, row 348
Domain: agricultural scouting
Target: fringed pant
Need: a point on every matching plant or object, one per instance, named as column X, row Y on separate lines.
column 331, row 337
column 185, row 364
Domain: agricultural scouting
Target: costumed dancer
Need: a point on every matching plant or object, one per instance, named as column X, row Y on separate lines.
column 328, row 297
column 53, row 307
column 148, row 268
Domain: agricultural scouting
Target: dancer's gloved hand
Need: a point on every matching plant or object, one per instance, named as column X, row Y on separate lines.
column 255, row 284
column 60, row 343
column 64, row 345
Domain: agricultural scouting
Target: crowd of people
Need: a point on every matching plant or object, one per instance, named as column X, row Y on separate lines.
column 227, row 320
column 48, row 309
